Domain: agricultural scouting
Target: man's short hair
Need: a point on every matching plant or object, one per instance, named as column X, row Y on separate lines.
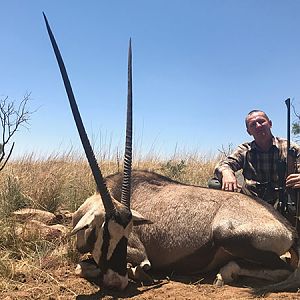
column 254, row 111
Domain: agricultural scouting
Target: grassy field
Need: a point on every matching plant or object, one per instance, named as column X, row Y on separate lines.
column 61, row 183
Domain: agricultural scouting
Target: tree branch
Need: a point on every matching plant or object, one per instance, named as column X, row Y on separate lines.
column 12, row 116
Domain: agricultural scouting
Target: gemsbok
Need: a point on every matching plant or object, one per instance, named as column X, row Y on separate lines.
column 197, row 230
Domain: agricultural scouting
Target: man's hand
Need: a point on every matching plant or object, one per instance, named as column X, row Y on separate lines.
column 293, row 181
column 229, row 182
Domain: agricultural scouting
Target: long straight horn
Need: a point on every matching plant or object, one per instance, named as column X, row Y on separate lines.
column 126, row 186
column 102, row 188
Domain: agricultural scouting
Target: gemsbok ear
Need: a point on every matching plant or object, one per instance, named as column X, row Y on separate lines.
column 138, row 219
column 84, row 222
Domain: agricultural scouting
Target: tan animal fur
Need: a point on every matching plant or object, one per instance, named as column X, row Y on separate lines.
column 196, row 230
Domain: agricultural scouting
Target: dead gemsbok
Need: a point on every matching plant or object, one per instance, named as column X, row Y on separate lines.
column 111, row 223
column 197, row 230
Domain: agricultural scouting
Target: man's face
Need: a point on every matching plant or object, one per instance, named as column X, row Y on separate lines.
column 258, row 125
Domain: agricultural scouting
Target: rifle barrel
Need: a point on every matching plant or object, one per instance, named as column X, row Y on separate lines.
column 288, row 105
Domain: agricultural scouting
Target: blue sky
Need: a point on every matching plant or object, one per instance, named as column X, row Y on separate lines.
column 198, row 68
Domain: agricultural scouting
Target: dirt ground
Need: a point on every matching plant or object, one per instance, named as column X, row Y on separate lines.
column 63, row 284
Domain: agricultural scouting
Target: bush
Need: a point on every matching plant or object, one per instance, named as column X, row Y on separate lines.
column 174, row 169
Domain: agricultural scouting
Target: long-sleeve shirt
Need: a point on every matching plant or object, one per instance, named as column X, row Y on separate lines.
column 261, row 168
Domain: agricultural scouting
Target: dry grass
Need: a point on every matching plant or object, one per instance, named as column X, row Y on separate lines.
column 63, row 182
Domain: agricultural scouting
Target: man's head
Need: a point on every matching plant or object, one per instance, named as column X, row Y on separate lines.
column 258, row 124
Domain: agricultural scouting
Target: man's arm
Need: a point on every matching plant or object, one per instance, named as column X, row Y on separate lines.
column 226, row 168
column 293, row 179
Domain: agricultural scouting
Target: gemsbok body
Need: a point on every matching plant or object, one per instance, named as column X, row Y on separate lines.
column 197, row 230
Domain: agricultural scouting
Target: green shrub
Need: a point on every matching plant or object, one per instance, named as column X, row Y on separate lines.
column 174, row 169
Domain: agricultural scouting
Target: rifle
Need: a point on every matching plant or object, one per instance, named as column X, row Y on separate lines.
column 292, row 195
column 290, row 158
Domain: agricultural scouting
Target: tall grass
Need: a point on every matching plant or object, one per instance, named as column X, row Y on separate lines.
column 62, row 182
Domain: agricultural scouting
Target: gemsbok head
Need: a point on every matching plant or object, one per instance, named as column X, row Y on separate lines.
column 107, row 229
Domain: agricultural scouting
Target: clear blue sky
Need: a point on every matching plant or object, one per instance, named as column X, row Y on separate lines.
column 198, row 68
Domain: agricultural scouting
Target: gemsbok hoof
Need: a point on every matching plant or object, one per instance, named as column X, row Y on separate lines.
column 219, row 281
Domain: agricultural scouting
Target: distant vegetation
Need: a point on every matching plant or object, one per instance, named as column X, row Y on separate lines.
column 65, row 181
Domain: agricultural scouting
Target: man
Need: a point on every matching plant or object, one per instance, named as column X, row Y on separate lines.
column 262, row 162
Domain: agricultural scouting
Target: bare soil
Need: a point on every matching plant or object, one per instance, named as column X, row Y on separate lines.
column 62, row 283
